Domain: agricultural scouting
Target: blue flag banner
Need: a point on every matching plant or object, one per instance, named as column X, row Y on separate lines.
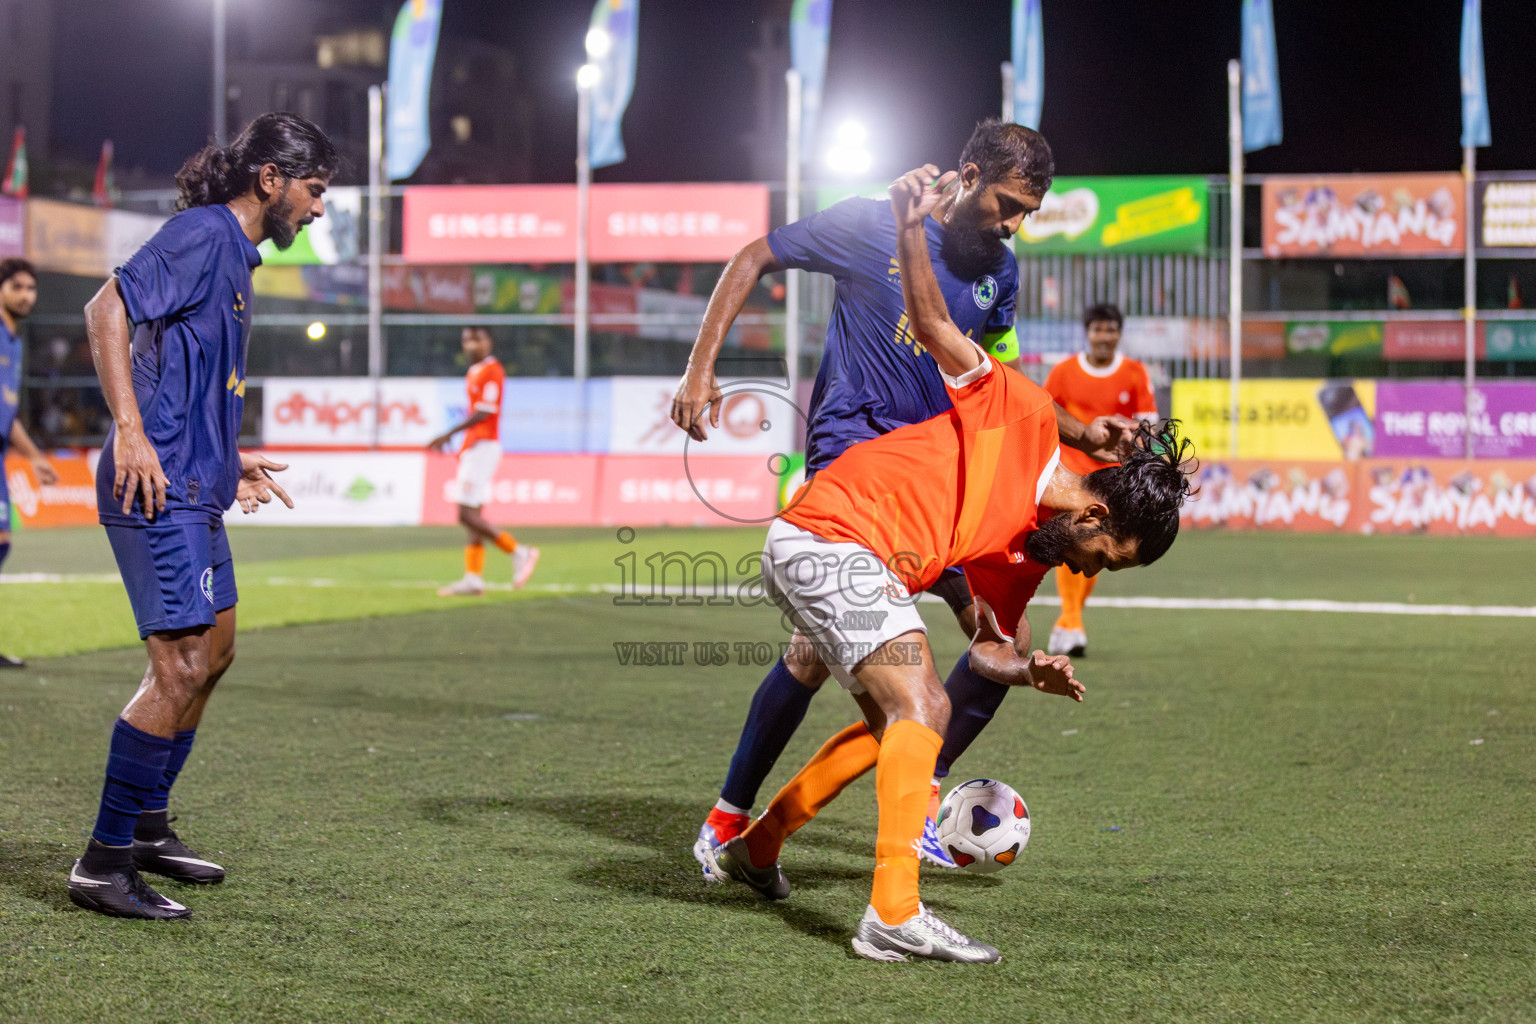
column 619, row 21
column 412, row 49
column 810, row 26
column 1028, row 63
column 1261, row 77
column 1475, row 128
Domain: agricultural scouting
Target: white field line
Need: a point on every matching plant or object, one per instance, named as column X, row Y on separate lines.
column 1221, row 604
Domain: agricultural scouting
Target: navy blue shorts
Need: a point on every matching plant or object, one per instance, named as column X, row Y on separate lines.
column 178, row 575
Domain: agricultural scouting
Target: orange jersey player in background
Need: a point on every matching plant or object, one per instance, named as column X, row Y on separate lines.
column 479, row 456
column 1098, row 382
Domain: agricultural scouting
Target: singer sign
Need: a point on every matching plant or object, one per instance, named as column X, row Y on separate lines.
column 537, row 223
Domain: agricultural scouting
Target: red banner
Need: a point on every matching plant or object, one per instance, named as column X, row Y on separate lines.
column 537, row 223
column 1440, row 496
column 1440, row 340
column 1364, row 215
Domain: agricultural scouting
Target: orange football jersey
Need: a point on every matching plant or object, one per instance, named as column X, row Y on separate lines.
column 962, row 488
column 1120, row 389
column 485, row 382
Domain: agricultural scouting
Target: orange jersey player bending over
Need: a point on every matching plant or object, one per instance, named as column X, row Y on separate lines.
column 1098, row 382
column 479, row 455
column 982, row 487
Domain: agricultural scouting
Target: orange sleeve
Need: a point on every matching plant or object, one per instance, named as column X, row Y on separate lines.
column 1056, row 382
column 1004, row 594
column 1145, row 399
column 486, row 388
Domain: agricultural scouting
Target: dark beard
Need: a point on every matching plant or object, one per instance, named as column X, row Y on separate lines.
column 969, row 252
column 1049, row 543
column 277, row 223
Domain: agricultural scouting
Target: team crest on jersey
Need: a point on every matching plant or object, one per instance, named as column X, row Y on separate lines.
column 207, row 585
column 984, row 291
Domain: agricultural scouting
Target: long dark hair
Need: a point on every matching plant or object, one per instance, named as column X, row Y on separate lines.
column 220, row 173
column 1145, row 492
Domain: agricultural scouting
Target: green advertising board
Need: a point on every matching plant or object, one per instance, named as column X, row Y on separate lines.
column 1361, row 338
column 1510, row 340
column 1151, row 214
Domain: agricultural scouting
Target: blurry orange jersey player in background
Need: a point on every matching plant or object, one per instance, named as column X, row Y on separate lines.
column 1098, row 382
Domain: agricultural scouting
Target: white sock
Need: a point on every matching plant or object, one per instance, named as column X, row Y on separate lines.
column 730, row 808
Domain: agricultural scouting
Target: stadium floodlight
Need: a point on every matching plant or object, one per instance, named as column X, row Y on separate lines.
column 316, row 331
column 848, row 155
column 599, row 42
column 588, row 75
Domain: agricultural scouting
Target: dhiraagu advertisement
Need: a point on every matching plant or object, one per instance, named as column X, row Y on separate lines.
column 1159, row 214
column 1280, row 419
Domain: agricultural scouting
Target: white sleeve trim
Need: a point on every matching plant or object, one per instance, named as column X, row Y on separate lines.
column 972, row 375
column 486, row 407
column 986, row 609
column 1046, row 474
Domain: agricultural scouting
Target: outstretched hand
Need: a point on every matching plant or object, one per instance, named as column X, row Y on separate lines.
column 1110, row 438
column 256, row 485
column 917, row 193
column 1052, row 673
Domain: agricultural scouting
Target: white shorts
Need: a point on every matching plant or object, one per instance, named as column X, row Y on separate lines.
column 839, row 595
column 477, row 468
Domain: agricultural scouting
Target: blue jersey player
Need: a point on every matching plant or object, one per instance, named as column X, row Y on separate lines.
column 875, row 377
column 18, row 295
column 168, row 333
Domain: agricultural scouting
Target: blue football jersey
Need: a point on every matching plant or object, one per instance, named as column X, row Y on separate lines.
column 874, row 375
column 10, row 388
column 188, row 293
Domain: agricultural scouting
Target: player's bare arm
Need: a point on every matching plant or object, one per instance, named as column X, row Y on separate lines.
column 440, row 442
column 698, row 391
column 256, row 485
column 1012, row 663
column 914, row 196
column 22, row 442
column 138, row 464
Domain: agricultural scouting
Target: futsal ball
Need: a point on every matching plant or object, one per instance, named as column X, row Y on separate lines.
column 983, row 825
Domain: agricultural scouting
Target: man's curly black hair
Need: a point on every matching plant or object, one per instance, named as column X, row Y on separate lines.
column 1145, row 492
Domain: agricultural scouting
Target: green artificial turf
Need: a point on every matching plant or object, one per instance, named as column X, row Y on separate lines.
column 476, row 813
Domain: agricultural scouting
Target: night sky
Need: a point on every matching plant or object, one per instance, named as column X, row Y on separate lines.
column 1131, row 86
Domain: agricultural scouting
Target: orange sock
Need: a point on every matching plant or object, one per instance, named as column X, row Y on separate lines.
column 903, row 778
column 1070, row 586
column 474, row 558
column 840, row 760
column 506, row 542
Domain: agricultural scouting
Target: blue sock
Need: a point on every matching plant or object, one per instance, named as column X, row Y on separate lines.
column 181, row 746
column 973, row 700
column 5, row 548
column 778, row 708
column 135, row 769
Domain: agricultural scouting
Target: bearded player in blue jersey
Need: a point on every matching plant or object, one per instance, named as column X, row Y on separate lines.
column 168, row 334
column 875, row 377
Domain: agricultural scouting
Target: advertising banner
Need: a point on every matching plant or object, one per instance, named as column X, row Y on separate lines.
column 1432, row 340
column 1334, row 337
column 1281, row 419
column 67, row 238
column 322, row 412
column 1161, row 214
column 70, row 502
column 1363, row 215
column 1428, row 419
column 538, row 414
column 13, row 235
column 1437, row 496
column 756, row 418
column 127, row 231
column 702, row 490
column 343, row 489
column 1508, row 340
column 1506, row 214
column 429, row 289
column 528, row 490
column 503, row 290
column 537, row 223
